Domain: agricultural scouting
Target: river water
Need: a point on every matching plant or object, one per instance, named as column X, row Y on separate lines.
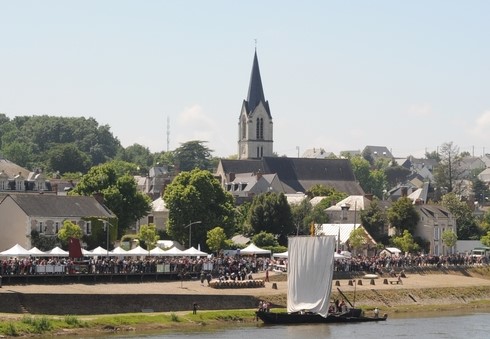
column 474, row 326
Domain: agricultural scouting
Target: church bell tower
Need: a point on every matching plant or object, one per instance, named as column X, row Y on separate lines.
column 255, row 121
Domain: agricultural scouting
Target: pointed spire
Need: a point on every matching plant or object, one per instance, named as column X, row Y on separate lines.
column 255, row 90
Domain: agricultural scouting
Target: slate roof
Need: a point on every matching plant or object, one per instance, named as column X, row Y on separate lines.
column 432, row 211
column 255, row 90
column 300, row 174
column 380, row 151
column 12, row 169
column 41, row 205
column 242, row 166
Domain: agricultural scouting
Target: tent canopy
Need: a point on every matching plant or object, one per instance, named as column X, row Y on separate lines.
column 173, row 252
column 58, row 252
column 118, row 251
column 192, row 252
column 15, row 251
column 98, row 251
column 36, row 252
column 280, row 255
column 252, row 249
column 137, row 252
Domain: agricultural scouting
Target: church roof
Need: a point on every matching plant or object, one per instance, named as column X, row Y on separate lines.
column 255, row 90
column 300, row 174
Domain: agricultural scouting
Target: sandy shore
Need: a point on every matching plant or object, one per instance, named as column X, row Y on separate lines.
column 412, row 281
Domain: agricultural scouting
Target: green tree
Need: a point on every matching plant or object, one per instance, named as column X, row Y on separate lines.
column 198, row 196
column 449, row 238
column 396, row 175
column 402, row 215
column 138, row 155
column 434, row 155
column 193, row 155
column 374, row 219
column 358, row 238
column 332, row 196
column 265, row 239
column 377, row 183
column 149, row 234
column 361, row 168
column 270, row 212
column 69, row 230
column 406, row 242
column 39, row 135
column 485, row 240
column 485, row 222
column 480, row 190
column 448, row 172
column 465, row 221
column 120, row 193
column 300, row 214
column 216, row 239
column 65, row 158
column 242, row 225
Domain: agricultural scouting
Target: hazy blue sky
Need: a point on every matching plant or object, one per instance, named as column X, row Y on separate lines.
column 340, row 75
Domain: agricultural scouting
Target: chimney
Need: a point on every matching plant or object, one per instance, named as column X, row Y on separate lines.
column 259, row 175
column 99, row 196
column 404, row 191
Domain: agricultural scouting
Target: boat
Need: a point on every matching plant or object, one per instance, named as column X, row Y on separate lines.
column 310, row 276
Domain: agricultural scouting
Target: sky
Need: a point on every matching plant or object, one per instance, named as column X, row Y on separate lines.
column 338, row 75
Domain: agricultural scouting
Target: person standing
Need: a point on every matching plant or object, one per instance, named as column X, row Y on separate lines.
column 194, row 308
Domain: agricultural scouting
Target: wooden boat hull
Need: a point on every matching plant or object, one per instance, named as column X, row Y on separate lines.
column 353, row 316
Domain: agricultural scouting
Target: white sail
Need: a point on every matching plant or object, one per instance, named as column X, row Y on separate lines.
column 310, row 273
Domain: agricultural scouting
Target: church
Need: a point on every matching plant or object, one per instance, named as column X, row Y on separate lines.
column 258, row 170
column 255, row 121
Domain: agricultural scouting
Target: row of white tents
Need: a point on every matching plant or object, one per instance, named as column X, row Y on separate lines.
column 19, row 251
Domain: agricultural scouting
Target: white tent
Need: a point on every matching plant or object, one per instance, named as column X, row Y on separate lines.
column 98, row 251
column 15, row 251
column 36, row 252
column 390, row 251
column 192, row 252
column 157, row 252
column 137, row 252
column 118, row 251
column 280, row 255
column 173, row 252
column 339, row 256
column 58, row 252
column 252, row 249
column 86, row 253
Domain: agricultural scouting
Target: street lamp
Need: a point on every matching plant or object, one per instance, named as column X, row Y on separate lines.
column 107, row 224
column 190, row 230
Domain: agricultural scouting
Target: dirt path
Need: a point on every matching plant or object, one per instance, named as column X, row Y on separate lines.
column 413, row 281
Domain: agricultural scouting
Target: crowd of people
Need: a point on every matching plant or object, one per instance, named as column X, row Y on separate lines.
column 222, row 267
column 227, row 267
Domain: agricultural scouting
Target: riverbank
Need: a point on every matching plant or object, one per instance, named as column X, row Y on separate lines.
column 429, row 290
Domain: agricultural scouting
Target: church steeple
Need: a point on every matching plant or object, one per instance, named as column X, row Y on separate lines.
column 255, row 121
column 255, row 90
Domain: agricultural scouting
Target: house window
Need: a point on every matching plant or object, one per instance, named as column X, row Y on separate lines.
column 41, row 227
column 258, row 152
column 437, row 232
column 57, row 227
column 88, row 228
column 151, row 219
